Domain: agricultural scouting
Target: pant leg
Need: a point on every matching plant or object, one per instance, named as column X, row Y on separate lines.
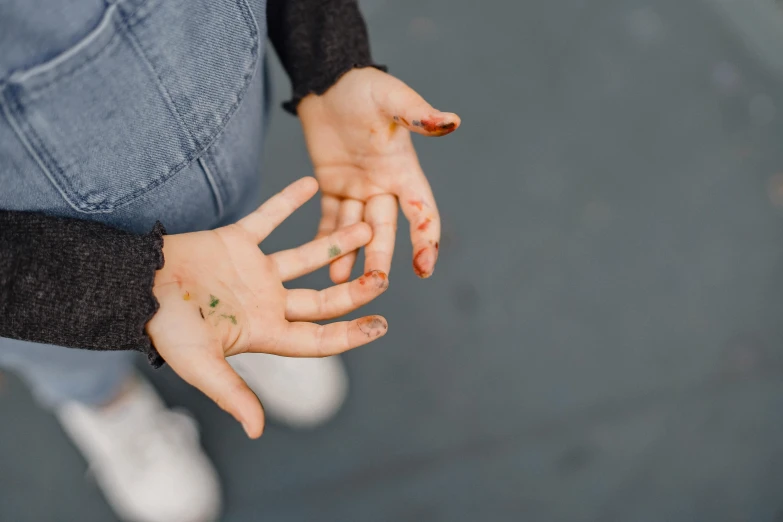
column 220, row 185
column 56, row 375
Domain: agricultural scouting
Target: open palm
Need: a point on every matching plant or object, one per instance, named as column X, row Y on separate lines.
column 358, row 136
column 220, row 295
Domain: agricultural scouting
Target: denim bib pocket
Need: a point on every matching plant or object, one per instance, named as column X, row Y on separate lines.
column 135, row 101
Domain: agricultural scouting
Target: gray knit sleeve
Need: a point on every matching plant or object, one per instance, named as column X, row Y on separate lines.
column 77, row 283
column 317, row 42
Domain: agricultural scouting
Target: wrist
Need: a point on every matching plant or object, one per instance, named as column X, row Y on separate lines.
column 349, row 70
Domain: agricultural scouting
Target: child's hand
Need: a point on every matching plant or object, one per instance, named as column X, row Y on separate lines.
column 359, row 141
column 220, row 295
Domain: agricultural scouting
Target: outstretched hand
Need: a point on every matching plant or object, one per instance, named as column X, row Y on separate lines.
column 358, row 135
column 220, row 295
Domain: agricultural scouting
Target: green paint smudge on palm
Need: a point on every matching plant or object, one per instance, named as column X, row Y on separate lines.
column 213, row 301
column 233, row 318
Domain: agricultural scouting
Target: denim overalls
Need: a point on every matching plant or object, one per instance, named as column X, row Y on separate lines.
column 127, row 112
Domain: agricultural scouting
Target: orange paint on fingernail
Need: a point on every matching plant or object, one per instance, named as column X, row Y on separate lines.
column 424, row 225
column 422, row 261
column 436, row 126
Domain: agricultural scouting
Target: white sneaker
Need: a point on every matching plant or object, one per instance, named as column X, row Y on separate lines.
column 300, row 392
column 146, row 458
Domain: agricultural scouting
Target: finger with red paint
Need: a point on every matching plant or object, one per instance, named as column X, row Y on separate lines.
column 351, row 211
column 358, row 134
column 381, row 214
column 419, row 208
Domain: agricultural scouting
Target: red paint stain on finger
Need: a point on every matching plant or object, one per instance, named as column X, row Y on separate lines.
column 380, row 279
column 419, row 204
column 423, row 262
column 436, row 126
column 424, row 225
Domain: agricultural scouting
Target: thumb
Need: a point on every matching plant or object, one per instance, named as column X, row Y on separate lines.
column 218, row 381
column 407, row 108
column 197, row 357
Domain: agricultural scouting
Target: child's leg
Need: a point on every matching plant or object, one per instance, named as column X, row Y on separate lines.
column 57, row 375
column 95, row 135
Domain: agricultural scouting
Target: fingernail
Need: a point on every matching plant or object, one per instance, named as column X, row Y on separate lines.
column 424, row 263
column 373, row 326
column 435, row 125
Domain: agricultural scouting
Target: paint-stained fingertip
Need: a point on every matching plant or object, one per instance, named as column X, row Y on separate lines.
column 439, row 124
column 424, row 261
column 376, row 279
column 436, row 124
column 373, row 326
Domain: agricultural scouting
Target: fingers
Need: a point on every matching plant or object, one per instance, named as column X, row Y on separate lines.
column 347, row 181
column 418, row 205
column 410, row 110
column 330, row 206
column 314, row 340
column 218, row 381
column 276, row 209
column 351, row 212
column 312, row 305
column 311, row 256
column 380, row 213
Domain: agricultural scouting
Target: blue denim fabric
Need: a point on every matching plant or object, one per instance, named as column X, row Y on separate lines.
column 127, row 112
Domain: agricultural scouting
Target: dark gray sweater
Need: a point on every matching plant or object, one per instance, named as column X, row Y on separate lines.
column 85, row 285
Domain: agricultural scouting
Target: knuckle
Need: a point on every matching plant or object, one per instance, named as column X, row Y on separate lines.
column 320, row 341
column 322, row 301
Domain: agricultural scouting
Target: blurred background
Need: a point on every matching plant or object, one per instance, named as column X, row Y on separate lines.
column 603, row 337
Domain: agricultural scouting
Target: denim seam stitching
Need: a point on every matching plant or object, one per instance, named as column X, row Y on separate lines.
column 87, row 61
column 212, row 183
column 138, row 14
column 40, row 158
column 249, row 19
column 70, row 194
column 159, row 81
column 71, row 53
column 42, row 88
column 211, row 159
column 247, row 15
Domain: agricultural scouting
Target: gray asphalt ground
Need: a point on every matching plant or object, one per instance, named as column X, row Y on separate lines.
column 602, row 340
